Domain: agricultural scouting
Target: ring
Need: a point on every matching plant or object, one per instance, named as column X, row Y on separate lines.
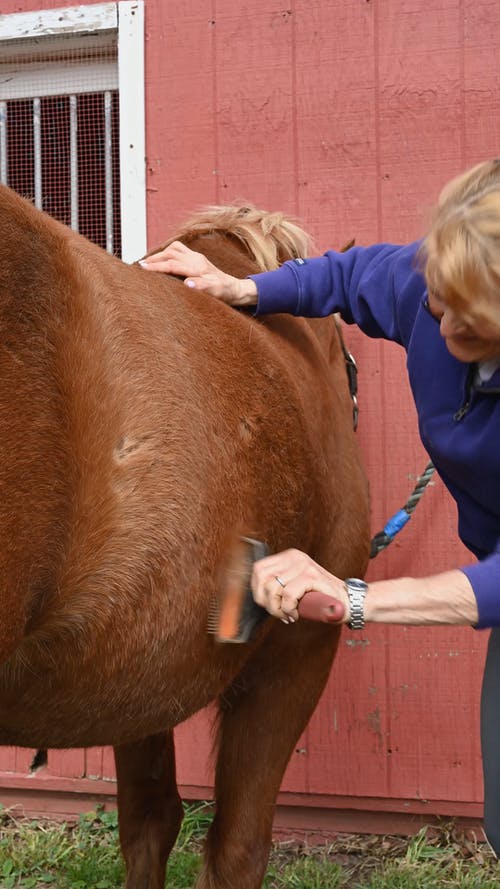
column 280, row 581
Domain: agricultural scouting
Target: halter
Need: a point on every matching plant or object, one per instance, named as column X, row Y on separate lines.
column 352, row 374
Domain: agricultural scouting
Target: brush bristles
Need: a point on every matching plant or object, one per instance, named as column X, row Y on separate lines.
column 234, row 617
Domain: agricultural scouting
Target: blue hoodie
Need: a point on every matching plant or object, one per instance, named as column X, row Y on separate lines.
column 381, row 289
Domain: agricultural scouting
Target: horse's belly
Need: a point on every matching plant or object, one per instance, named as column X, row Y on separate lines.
column 63, row 725
column 94, row 710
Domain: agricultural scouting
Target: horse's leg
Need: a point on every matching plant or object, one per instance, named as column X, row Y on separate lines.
column 262, row 717
column 149, row 808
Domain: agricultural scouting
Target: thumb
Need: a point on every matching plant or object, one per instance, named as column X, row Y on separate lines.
column 213, row 284
column 202, row 282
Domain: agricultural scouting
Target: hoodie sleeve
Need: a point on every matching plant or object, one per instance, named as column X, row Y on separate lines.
column 484, row 577
column 367, row 285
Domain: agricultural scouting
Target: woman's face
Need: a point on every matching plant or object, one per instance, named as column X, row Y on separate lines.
column 468, row 339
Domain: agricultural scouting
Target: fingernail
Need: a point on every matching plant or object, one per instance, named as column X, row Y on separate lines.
column 189, row 283
column 284, row 620
column 143, row 263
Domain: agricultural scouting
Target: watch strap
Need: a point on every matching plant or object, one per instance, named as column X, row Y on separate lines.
column 356, row 591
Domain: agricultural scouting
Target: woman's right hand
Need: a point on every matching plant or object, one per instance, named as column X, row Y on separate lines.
column 201, row 274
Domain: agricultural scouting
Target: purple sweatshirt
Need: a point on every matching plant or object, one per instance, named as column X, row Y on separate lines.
column 381, row 289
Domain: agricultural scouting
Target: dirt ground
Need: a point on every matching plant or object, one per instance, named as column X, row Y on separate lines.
column 362, row 855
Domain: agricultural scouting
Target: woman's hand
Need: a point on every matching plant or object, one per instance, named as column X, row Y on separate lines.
column 279, row 582
column 201, row 274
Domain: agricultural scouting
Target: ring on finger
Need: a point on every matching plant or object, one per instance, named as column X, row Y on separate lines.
column 280, row 581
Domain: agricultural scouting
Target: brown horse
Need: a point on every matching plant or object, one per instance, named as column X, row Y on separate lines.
column 141, row 426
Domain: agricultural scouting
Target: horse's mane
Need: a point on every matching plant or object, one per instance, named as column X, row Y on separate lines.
column 269, row 238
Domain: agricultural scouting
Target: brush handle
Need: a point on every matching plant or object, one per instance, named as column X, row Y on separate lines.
column 320, row 607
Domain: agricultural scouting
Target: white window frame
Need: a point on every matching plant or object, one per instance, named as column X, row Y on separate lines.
column 126, row 19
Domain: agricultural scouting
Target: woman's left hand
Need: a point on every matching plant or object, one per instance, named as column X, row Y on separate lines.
column 201, row 274
column 279, row 582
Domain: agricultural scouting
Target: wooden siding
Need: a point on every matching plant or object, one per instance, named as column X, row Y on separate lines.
column 351, row 116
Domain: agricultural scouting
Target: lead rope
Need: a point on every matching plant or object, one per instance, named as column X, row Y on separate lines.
column 400, row 518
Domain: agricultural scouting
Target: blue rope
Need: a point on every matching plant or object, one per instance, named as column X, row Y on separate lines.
column 382, row 540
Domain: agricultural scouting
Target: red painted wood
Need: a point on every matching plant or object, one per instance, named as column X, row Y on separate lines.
column 317, row 816
column 351, row 116
column 66, row 763
column 100, row 764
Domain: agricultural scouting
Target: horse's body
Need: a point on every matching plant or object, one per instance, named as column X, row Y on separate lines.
column 142, row 427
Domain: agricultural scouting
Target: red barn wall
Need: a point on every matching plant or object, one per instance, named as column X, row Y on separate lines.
column 350, row 116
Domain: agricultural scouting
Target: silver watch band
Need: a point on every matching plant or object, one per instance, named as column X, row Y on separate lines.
column 356, row 591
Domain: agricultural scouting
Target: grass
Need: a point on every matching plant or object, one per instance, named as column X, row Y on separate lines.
column 86, row 855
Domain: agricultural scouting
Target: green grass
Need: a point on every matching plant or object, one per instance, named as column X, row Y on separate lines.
column 34, row 855
column 37, row 854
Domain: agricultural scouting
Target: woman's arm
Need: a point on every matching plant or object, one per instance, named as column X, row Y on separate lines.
column 379, row 288
column 446, row 598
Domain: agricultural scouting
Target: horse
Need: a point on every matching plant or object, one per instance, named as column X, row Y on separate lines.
column 143, row 426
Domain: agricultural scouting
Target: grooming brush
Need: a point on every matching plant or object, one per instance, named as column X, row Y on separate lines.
column 236, row 616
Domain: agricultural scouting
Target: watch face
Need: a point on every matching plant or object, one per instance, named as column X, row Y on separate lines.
column 356, row 584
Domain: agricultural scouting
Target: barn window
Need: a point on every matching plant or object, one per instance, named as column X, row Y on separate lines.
column 72, row 118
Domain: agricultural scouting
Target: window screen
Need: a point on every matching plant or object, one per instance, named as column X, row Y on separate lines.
column 59, row 130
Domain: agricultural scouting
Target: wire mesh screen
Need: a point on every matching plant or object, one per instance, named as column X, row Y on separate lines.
column 59, row 131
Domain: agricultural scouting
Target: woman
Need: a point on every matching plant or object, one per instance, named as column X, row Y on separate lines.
column 440, row 300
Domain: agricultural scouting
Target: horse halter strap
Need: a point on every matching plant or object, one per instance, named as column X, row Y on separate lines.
column 352, row 373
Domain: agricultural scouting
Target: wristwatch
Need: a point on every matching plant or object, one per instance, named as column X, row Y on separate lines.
column 356, row 591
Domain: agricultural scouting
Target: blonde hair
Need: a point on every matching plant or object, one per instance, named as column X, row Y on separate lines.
column 269, row 238
column 461, row 253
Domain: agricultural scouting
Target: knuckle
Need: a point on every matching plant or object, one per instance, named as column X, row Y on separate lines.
column 311, row 572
